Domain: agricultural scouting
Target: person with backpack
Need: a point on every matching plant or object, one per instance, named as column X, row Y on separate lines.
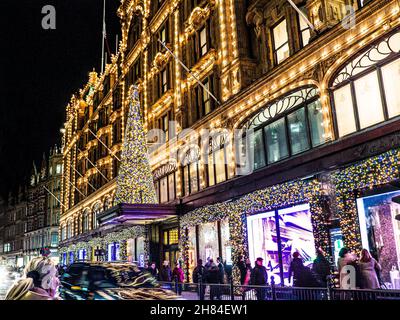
column 321, row 268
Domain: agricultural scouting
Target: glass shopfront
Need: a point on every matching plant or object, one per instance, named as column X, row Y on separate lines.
column 380, row 233
column 135, row 251
column 113, row 252
column 208, row 241
column 276, row 235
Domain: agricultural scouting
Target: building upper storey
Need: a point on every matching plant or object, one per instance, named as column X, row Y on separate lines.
column 297, row 83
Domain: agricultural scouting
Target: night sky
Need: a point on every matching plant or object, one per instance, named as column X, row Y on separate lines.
column 39, row 71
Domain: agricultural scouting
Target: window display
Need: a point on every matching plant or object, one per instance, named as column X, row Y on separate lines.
column 208, row 241
column 225, row 241
column 380, row 231
column 295, row 234
column 192, row 252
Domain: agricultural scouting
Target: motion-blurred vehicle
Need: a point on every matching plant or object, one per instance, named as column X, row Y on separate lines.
column 110, row 281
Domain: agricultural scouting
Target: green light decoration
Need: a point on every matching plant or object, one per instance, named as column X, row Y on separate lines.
column 135, row 180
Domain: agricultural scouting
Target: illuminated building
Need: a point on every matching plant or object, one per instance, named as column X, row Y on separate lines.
column 42, row 209
column 319, row 100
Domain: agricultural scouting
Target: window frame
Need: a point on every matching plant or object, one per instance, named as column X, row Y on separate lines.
column 377, row 67
column 274, row 49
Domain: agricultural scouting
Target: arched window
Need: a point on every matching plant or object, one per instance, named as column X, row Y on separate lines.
column 164, row 182
column 107, row 203
column 96, row 211
column 216, row 155
column 69, row 229
column 85, row 217
column 366, row 91
column 190, row 170
column 288, row 126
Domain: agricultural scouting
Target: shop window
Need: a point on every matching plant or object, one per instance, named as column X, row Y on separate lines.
column 364, row 91
column 292, row 228
column 380, row 233
column 280, row 42
column 286, row 127
column 305, row 30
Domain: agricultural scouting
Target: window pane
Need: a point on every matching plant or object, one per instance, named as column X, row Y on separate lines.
column 203, row 42
column 257, row 149
column 369, row 101
column 206, row 98
column 316, row 119
column 298, row 131
column 281, row 45
column 280, row 34
column 163, row 190
column 211, row 178
column 391, row 76
column 305, row 36
column 344, row 110
column 185, row 180
column 276, row 141
column 171, row 186
column 193, row 178
column 220, row 165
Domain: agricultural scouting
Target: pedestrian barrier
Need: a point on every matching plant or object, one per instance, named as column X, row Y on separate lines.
column 230, row 291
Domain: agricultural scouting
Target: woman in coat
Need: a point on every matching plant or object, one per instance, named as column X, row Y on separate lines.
column 40, row 282
column 368, row 268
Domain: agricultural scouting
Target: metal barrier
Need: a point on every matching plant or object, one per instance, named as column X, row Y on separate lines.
column 211, row 291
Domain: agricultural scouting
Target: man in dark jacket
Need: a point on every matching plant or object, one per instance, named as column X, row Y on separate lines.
column 295, row 269
column 153, row 270
column 221, row 269
column 213, row 279
column 259, row 277
column 165, row 272
column 199, row 276
column 321, row 268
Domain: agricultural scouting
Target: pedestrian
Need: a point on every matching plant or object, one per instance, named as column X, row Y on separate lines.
column 321, row 268
column 242, row 268
column 165, row 274
column 295, row 269
column 39, row 282
column 369, row 269
column 259, row 277
column 153, row 270
column 208, row 263
column 199, row 273
column 179, row 277
column 347, row 258
column 213, row 278
column 221, row 270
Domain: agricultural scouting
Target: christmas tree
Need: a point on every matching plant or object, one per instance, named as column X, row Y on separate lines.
column 135, row 181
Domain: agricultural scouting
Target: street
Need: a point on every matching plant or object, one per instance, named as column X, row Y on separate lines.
column 5, row 284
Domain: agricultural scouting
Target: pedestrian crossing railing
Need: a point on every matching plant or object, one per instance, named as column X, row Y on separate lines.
column 230, row 291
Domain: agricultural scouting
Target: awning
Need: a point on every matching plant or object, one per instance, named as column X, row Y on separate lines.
column 136, row 214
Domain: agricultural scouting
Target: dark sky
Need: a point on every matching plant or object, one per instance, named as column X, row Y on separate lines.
column 40, row 70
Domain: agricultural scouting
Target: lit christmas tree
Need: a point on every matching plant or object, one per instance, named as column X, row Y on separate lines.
column 135, row 181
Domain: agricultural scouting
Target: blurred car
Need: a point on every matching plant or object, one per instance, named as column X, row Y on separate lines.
column 110, row 281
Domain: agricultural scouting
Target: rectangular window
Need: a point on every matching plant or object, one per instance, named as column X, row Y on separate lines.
column 392, row 90
column 298, row 131
column 164, row 190
column 211, row 176
column 305, row 30
column 171, row 186
column 206, row 102
column 164, row 81
column 186, row 180
column 194, row 183
column 156, row 187
column 203, row 41
column 220, row 167
column 344, row 110
column 369, row 101
column 316, row 119
column 281, row 42
column 257, row 150
column 173, row 236
column 276, row 140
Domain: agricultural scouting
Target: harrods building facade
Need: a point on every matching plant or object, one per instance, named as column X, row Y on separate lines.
column 316, row 164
